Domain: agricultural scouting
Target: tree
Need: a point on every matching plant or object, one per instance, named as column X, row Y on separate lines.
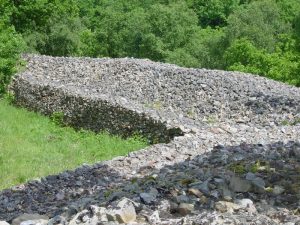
column 11, row 45
column 243, row 56
column 297, row 31
column 259, row 22
column 289, row 9
column 173, row 26
column 142, row 30
column 213, row 13
column 204, row 49
column 48, row 26
column 63, row 39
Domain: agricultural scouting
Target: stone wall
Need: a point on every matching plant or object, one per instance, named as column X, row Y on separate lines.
column 96, row 113
column 159, row 101
column 218, row 125
column 164, row 92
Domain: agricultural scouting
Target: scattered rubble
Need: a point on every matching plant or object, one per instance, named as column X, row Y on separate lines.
column 231, row 151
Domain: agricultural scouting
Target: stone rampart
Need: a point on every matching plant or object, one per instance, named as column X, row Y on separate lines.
column 159, row 101
column 232, row 151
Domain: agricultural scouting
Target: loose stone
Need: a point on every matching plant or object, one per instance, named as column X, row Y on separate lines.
column 185, row 208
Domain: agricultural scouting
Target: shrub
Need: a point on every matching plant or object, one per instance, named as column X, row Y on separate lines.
column 243, row 56
column 11, row 45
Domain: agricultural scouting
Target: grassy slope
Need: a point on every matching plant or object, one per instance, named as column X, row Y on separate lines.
column 32, row 146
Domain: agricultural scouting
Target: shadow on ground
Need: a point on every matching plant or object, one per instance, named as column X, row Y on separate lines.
column 266, row 174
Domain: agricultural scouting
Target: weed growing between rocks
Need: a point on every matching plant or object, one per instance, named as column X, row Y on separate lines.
column 291, row 122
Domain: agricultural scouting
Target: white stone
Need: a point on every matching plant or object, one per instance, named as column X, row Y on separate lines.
column 246, row 204
column 33, row 218
column 277, row 190
column 223, row 206
column 4, row 223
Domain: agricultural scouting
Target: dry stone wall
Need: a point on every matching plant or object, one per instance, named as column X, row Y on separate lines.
column 82, row 108
column 232, row 151
column 129, row 95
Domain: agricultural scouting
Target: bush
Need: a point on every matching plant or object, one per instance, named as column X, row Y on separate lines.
column 11, row 45
column 283, row 66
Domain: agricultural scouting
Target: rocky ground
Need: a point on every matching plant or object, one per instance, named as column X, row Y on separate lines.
column 239, row 168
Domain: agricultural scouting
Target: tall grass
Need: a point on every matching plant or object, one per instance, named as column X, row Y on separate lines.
column 32, row 146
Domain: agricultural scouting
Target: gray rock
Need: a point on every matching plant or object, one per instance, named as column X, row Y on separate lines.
column 148, row 198
column 226, row 193
column 164, row 206
column 259, row 184
column 185, row 208
column 219, row 181
column 81, row 218
column 278, row 190
column 215, row 194
column 202, row 120
column 250, row 176
column 239, row 185
column 182, row 199
column 123, row 213
column 111, row 215
column 202, row 186
column 57, row 220
column 109, row 223
column 295, row 152
column 60, row 196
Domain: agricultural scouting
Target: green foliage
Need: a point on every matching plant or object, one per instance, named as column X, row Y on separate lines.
column 206, row 46
column 6, row 8
column 280, row 65
column 297, row 32
column 290, row 122
column 62, row 40
column 213, row 13
column 58, row 118
column 289, row 9
column 40, row 15
column 122, row 33
column 260, row 22
column 157, row 31
column 49, row 27
column 238, row 168
column 9, row 98
column 32, row 146
column 11, row 45
column 173, row 26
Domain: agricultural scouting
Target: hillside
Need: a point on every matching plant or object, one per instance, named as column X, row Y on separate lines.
column 226, row 145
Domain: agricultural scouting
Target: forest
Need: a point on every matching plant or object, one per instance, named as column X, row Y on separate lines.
column 256, row 36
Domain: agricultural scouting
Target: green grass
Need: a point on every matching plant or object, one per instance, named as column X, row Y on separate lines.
column 32, row 146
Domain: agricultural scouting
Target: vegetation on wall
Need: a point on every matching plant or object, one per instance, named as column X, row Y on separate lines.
column 256, row 36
